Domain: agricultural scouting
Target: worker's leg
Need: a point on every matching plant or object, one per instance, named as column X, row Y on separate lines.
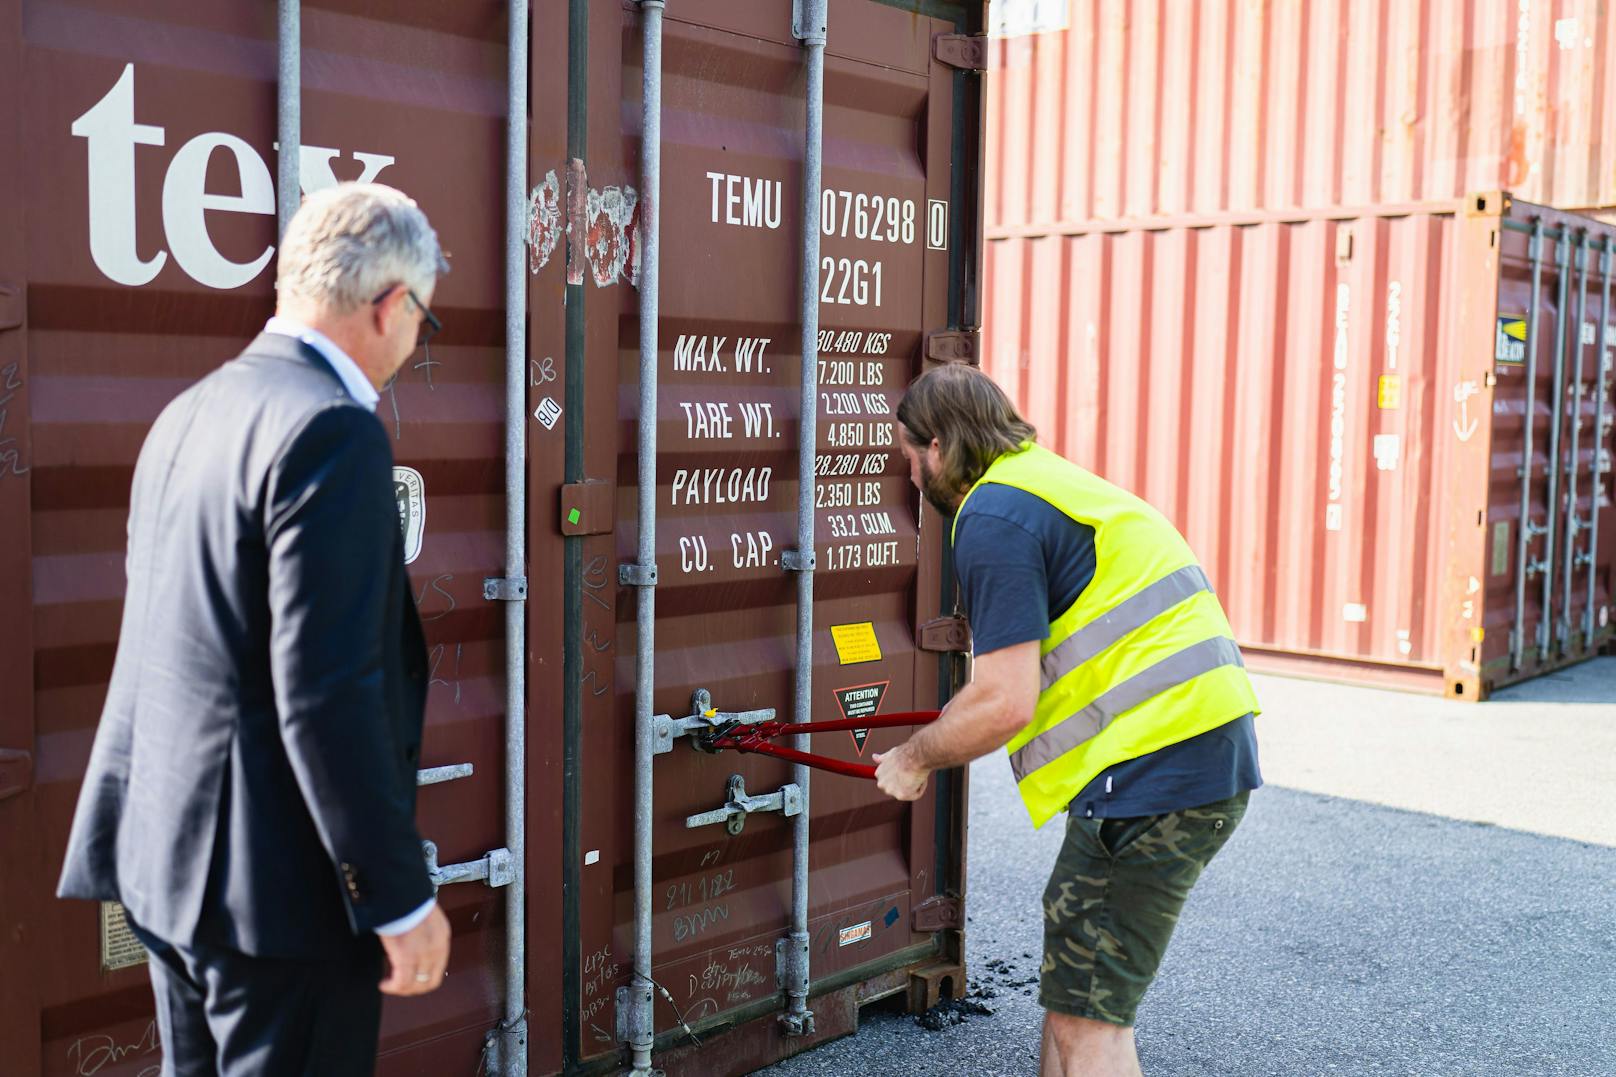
column 1109, row 910
column 1082, row 1047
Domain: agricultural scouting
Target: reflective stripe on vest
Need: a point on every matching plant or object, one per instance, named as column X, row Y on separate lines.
column 1192, row 661
column 1132, row 613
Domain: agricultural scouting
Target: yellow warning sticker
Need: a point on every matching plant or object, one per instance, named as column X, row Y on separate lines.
column 856, row 643
column 1391, row 392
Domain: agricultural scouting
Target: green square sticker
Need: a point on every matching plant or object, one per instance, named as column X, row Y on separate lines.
column 574, row 516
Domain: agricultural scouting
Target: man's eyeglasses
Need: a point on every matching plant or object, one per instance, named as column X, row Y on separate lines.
column 430, row 326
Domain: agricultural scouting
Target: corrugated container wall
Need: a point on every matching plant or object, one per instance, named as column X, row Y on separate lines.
column 1331, row 411
column 137, row 235
column 1141, row 109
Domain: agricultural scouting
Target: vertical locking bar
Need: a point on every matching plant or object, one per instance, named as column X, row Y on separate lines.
column 1601, row 368
column 288, row 112
column 641, row 1025
column 1562, row 338
column 510, row 1038
column 1523, row 531
column 1568, row 555
column 808, row 25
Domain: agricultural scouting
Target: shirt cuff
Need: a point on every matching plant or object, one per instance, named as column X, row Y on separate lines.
column 405, row 923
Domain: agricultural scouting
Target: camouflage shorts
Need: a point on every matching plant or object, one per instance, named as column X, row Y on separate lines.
column 1113, row 901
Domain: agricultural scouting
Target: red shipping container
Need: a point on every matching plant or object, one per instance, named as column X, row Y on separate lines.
column 1331, row 409
column 1133, row 111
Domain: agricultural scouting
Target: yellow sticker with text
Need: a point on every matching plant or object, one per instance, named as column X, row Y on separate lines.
column 856, row 643
column 1390, row 396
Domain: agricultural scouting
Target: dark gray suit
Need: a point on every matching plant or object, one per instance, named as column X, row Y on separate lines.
column 251, row 793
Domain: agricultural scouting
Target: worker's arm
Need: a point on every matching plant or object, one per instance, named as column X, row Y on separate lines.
column 995, row 706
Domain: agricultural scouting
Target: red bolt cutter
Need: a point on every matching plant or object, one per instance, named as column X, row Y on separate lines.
column 755, row 737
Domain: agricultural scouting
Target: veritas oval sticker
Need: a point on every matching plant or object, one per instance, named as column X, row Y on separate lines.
column 410, row 493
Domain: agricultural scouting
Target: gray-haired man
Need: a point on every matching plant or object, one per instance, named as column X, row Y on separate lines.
column 251, row 794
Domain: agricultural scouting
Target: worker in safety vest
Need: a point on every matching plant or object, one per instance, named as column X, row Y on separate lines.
column 1106, row 666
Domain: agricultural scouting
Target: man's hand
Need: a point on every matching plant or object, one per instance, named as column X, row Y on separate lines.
column 417, row 959
column 898, row 775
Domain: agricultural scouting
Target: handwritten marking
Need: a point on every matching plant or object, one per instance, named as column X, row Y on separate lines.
column 92, row 1054
column 427, row 364
column 689, row 925
column 717, row 976
column 9, row 458
column 438, row 654
column 436, row 585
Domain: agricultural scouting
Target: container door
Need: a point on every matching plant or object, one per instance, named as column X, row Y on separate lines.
column 146, row 253
column 1546, row 571
column 893, row 212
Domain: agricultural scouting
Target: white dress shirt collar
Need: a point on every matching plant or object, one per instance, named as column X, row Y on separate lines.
column 353, row 379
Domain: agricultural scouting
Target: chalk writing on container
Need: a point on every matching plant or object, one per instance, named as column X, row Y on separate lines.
column 436, row 584
column 689, row 925
column 11, row 461
column 90, row 1055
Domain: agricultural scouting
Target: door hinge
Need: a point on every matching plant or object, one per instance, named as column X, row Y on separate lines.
column 955, row 346
column 962, row 51
column 946, row 635
column 588, row 507
column 940, row 913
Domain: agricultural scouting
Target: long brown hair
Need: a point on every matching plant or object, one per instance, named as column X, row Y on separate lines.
column 972, row 419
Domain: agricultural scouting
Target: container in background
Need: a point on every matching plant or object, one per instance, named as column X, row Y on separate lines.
column 1122, row 111
column 1331, row 408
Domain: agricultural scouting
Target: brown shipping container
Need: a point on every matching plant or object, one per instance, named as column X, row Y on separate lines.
column 1331, row 409
column 137, row 233
column 1143, row 109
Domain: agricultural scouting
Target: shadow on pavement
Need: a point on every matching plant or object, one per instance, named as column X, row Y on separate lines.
column 1593, row 681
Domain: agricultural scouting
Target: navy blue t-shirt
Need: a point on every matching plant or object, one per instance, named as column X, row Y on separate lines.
column 1022, row 563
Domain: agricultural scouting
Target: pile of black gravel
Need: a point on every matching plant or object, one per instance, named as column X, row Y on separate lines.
column 997, row 976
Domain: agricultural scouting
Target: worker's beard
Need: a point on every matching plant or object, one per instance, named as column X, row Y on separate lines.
column 937, row 492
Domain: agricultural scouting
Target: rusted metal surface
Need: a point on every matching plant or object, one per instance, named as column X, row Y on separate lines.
column 1315, row 404
column 132, row 293
column 120, row 307
column 1135, row 110
column 726, row 469
column 1561, row 610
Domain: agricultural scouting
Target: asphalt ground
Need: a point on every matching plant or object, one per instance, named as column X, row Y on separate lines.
column 1336, row 934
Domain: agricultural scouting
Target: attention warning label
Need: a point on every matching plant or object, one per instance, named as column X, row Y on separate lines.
column 861, row 701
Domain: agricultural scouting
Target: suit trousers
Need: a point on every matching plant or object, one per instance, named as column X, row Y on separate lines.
column 223, row 1013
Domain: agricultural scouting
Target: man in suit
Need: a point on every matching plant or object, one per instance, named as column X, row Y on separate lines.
column 250, row 798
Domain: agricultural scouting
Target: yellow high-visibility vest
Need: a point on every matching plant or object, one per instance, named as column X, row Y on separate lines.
column 1144, row 658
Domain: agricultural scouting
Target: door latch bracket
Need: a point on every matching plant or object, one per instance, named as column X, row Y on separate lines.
column 498, row 868
column 703, row 718
column 787, row 800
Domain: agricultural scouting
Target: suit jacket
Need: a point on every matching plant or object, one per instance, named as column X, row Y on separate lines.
column 252, row 782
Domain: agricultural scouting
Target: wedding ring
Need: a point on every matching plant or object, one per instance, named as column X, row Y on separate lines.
column 422, row 978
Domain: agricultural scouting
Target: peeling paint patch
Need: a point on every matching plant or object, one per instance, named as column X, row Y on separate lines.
column 543, row 221
column 611, row 243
